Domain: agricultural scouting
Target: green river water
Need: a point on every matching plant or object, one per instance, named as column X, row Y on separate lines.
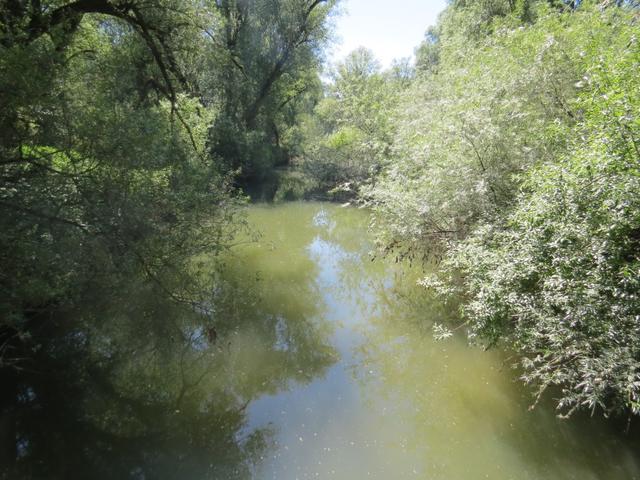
column 323, row 366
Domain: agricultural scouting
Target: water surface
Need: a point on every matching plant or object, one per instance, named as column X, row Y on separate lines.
column 306, row 360
column 396, row 403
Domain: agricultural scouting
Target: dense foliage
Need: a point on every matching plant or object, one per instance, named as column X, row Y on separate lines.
column 103, row 169
column 349, row 135
column 514, row 159
column 125, row 128
column 560, row 278
column 467, row 131
column 267, row 61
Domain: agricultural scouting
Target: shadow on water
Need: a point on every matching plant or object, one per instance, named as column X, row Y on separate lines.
column 130, row 385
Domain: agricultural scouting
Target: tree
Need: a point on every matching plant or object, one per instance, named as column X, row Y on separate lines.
column 558, row 280
column 483, row 113
column 515, row 165
column 25, row 22
column 272, row 53
column 349, row 137
column 428, row 52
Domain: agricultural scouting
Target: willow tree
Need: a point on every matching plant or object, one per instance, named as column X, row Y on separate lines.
column 348, row 138
column 516, row 165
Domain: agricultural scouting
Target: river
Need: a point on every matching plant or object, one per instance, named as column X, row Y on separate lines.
column 315, row 361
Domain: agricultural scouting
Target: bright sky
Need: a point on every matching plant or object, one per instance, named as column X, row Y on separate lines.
column 390, row 28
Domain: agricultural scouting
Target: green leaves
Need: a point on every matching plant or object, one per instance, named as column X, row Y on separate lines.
column 348, row 139
column 517, row 163
column 558, row 279
column 102, row 170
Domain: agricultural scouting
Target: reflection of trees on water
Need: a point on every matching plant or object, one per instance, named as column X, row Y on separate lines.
column 464, row 415
column 348, row 255
column 133, row 386
column 278, row 316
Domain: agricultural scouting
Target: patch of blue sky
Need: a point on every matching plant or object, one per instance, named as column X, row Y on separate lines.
column 391, row 29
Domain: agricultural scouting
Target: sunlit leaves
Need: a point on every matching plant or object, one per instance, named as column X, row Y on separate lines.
column 516, row 164
column 559, row 280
